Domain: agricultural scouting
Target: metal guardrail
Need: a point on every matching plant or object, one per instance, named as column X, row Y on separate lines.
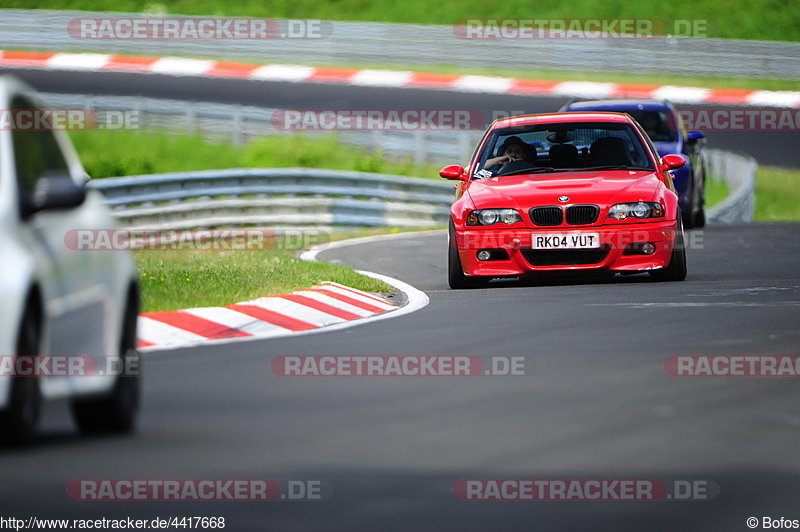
column 381, row 43
column 275, row 197
column 738, row 170
column 241, row 124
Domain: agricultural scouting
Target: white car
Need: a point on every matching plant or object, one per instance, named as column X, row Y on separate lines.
column 55, row 300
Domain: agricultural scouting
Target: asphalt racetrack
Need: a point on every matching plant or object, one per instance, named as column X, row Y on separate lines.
column 597, row 404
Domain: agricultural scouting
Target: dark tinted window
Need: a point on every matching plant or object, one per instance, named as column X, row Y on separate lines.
column 581, row 138
column 36, row 154
column 659, row 125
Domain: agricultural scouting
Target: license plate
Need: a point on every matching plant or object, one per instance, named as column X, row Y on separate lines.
column 565, row 240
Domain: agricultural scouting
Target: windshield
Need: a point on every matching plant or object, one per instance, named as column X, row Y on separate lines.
column 576, row 146
column 659, row 125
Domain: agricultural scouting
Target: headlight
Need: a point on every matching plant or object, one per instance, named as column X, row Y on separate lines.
column 639, row 209
column 488, row 217
column 493, row 216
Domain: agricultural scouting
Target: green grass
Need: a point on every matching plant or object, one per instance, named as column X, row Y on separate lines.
column 179, row 279
column 733, row 19
column 716, row 191
column 777, row 194
column 108, row 153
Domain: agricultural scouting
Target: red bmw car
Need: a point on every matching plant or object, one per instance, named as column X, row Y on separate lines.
column 565, row 192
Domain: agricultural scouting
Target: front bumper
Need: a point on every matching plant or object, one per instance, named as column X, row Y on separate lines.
column 610, row 257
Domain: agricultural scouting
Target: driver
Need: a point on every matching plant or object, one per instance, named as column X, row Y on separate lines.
column 513, row 149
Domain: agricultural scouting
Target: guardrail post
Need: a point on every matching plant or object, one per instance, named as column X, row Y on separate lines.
column 191, row 118
column 237, row 125
column 420, row 147
column 378, row 141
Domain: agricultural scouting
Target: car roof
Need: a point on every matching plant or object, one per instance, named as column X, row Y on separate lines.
column 11, row 86
column 561, row 118
column 610, row 105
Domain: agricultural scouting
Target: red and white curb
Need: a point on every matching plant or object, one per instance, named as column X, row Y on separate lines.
column 178, row 66
column 322, row 305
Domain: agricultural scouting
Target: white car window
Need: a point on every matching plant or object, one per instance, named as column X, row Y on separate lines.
column 36, row 154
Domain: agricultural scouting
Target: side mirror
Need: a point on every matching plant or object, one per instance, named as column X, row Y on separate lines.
column 671, row 162
column 57, row 191
column 695, row 136
column 453, row 172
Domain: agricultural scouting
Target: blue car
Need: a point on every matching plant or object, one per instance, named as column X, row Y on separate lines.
column 663, row 124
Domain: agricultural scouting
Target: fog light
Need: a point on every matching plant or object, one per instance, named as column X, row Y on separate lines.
column 640, row 248
column 484, row 254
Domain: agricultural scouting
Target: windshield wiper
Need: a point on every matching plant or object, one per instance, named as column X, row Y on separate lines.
column 537, row 170
column 610, row 167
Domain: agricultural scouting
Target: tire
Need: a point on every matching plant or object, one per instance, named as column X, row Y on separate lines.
column 18, row 422
column 455, row 272
column 115, row 413
column 700, row 213
column 688, row 215
column 700, row 218
column 695, row 216
column 676, row 269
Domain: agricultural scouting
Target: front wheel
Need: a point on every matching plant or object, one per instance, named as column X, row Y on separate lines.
column 115, row 413
column 455, row 272
column 695, row 215
column 687, row 216
column 700, row 214
column 676, row 269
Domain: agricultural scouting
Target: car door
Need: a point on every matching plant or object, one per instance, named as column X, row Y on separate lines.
column 75, row 304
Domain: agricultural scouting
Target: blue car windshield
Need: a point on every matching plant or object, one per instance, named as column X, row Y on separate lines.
column 659, row 125
column 577, row 146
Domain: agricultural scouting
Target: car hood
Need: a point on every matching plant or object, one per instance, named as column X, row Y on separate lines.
column 598, row 188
